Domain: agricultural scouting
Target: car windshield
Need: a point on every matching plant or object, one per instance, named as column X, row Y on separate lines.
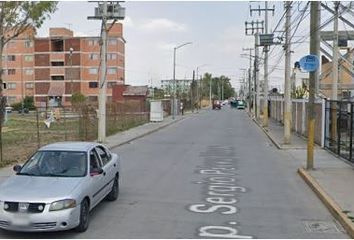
column 56, row 164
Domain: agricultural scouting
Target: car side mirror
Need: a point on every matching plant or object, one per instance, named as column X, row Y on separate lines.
column 95, row 172
column 17, row 168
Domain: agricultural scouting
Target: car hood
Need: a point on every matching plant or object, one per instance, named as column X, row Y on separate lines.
column 37, row 189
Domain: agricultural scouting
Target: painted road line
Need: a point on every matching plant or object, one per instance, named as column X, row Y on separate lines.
column 220, row 192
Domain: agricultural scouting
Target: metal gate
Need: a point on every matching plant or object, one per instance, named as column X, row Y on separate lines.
column 339, row 128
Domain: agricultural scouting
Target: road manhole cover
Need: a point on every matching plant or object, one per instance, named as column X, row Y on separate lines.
column 313, row 226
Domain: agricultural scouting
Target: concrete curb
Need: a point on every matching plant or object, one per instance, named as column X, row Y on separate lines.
column 332, row 206
column 268, row 134
column 145, row 134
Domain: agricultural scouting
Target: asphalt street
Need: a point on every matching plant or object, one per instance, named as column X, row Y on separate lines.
column 212, row 175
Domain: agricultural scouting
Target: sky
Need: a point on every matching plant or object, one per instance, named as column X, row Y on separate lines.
column 216, row 30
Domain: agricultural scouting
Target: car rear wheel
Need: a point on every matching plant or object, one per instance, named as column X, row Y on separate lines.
column 84, row 216
column 114, row 193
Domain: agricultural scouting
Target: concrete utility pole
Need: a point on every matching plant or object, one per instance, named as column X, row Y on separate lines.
column 255, row 28
column 101, row 12
column 222, row 90
column 192, row 88
column 256, row 68
column 335, row 54
column 199, row 92
column 210, row 92
column 314, row 49
column 266, row 49
column 335, row 72
column 287, row 90
column 102, row 91
column 250, row 92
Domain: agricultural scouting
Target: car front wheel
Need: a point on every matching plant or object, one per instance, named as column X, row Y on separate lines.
column 84, row 216
column 114, row 193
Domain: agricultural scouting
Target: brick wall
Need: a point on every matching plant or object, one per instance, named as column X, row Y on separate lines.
column 41, row 88
column 41, row 45
column 42, row 74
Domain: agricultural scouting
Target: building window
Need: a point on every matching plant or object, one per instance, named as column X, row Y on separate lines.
column 57, row 45
column 11, row 86
column 11, row 71
column 92, row 42
column 57, row 64
column 111, row 56
column 112, row 42
column 111, row 84
column 93, row 84
column 10, row 44
column 112, row 70
column 93, row 70
column 11, row 99
column 28, row 58
column 29, row 71
column 28, row 44
column 29, row 85
column 92, row 98
column 93, row 56
column 57, row 78
column 11, row 58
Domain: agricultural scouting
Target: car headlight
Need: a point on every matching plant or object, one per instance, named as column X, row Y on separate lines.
column 62, row 204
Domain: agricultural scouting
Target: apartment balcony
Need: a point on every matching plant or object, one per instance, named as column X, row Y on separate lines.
column 57, row 57
column 57, row 71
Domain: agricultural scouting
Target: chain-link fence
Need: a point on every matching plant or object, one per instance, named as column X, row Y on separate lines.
column 23, row 133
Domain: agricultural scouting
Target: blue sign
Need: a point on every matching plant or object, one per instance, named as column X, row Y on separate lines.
column 309, row 63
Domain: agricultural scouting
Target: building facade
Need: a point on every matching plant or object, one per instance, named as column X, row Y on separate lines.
column 182, row 86
column 52, row 68
column 345, row 76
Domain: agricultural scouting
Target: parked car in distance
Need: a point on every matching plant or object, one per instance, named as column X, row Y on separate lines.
column 216, row 104
column 8, row 109
column 58, row 186
column 24, row 110
column 225, row 102
column 241, row 104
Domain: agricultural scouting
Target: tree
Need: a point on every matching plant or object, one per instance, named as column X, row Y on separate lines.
column 217, row 84
column 16, row 17
column 159, row 93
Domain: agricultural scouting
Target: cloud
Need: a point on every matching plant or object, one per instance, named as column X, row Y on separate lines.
column 163, row 24
column 165, row 46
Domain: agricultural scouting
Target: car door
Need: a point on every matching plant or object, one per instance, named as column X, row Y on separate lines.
column 108, row 166
column 97, row 190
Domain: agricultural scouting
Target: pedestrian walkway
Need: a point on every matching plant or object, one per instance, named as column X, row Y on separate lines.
column 120, row 138
column 139, row 131
column 331, row 179
column 275, row 131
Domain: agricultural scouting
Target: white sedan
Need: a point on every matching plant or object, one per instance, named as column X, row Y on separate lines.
column 58, row 186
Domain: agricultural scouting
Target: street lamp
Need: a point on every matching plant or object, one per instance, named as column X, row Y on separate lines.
column 174, row 78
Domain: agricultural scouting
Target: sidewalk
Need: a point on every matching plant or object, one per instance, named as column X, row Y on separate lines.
column 120, row 138
column 332, row 179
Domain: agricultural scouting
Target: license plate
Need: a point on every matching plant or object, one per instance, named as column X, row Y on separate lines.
column 21, row 221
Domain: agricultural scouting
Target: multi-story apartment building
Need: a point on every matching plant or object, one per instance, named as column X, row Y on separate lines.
column 182, row 85
column 54, row 67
